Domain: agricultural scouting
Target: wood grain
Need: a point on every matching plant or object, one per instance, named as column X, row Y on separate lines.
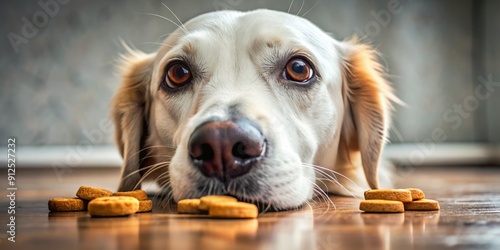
column 469, row 218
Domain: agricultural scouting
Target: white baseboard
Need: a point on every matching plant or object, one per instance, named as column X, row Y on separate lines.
column 108, row 156
column 65, row 156
column 443, row 154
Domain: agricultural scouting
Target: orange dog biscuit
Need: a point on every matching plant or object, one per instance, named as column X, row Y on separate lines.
column 207, row 201
column 90, row 193
column 240, row 210
column 67, row 204
column 138, row 194
column 422, row 205
column 382, row 206
column 113, row 206
column 188, row 206
column 145, row 206
column 416, row 194
column 403, row 195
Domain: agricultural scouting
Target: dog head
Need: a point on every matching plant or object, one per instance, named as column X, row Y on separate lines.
column 251, row 105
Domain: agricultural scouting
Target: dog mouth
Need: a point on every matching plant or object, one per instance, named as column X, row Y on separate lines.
column 246, row 190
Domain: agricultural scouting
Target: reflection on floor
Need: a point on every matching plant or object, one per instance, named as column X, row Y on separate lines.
column 469, row 217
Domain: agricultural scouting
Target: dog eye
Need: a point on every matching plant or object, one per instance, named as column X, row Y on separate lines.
column 178, row 74
column 298, row 70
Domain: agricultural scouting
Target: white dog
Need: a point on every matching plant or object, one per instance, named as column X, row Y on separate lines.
column 259, row 105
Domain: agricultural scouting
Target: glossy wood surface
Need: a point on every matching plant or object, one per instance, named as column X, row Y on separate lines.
column 469, row 219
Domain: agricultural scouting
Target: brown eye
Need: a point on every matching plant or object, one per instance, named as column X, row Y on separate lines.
column 178, row 75
column 298, row 70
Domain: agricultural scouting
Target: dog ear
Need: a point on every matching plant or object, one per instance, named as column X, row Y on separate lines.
column 368, row 101
column 129, row 110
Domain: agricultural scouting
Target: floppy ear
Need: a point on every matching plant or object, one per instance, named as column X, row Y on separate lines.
column 129, row 109
column 367, row 99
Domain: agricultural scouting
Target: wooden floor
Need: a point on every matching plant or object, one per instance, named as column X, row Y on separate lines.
column 469, row 218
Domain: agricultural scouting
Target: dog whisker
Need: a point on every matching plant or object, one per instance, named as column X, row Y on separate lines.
column 319, row 169
column 160, row 38
column 335, row 173
column 158, row 43
column 163, row 176
column 165, row 197
column 290, row 7
column 166, row 18
column 207, row 188
column 325, row 174
column 302, row 6
column 266, row 208
column 154, row 166
column 317, row 2
column 149, row 155
column 155, row 156
column 321, row 194
column 151, row 147
column 150, row 171
column 324, row 195
column 159, row 146
column 148, row 187
column 162, row 197
column 184, row 27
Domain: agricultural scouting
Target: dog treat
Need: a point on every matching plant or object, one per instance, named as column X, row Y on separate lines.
column 113, row 206
column 207, row 201
column 138, row 194
column 231, row 209
column 188, row 206
column 403, row 195
column 90, row 193
column 416, row 194
column 422, row 205
column 218, row 206
column 377, row 199
column 67, row 205
column 145, row 206
column 382, row 206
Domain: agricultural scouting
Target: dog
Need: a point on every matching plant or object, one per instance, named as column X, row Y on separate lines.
column 261, row 105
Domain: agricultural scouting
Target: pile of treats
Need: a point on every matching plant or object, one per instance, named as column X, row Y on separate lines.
column 103, row 203
column 218, row 206
column 397, row 201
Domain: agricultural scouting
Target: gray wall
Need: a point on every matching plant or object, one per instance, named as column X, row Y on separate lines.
column 489, row 63
column 57, row 82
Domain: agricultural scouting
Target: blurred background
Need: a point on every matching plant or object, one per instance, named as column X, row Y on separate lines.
column 58, row 74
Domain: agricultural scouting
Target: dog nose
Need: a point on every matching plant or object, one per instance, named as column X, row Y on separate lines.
column 226, row 149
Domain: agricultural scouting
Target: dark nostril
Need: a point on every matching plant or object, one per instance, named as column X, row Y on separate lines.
column 205, row 153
